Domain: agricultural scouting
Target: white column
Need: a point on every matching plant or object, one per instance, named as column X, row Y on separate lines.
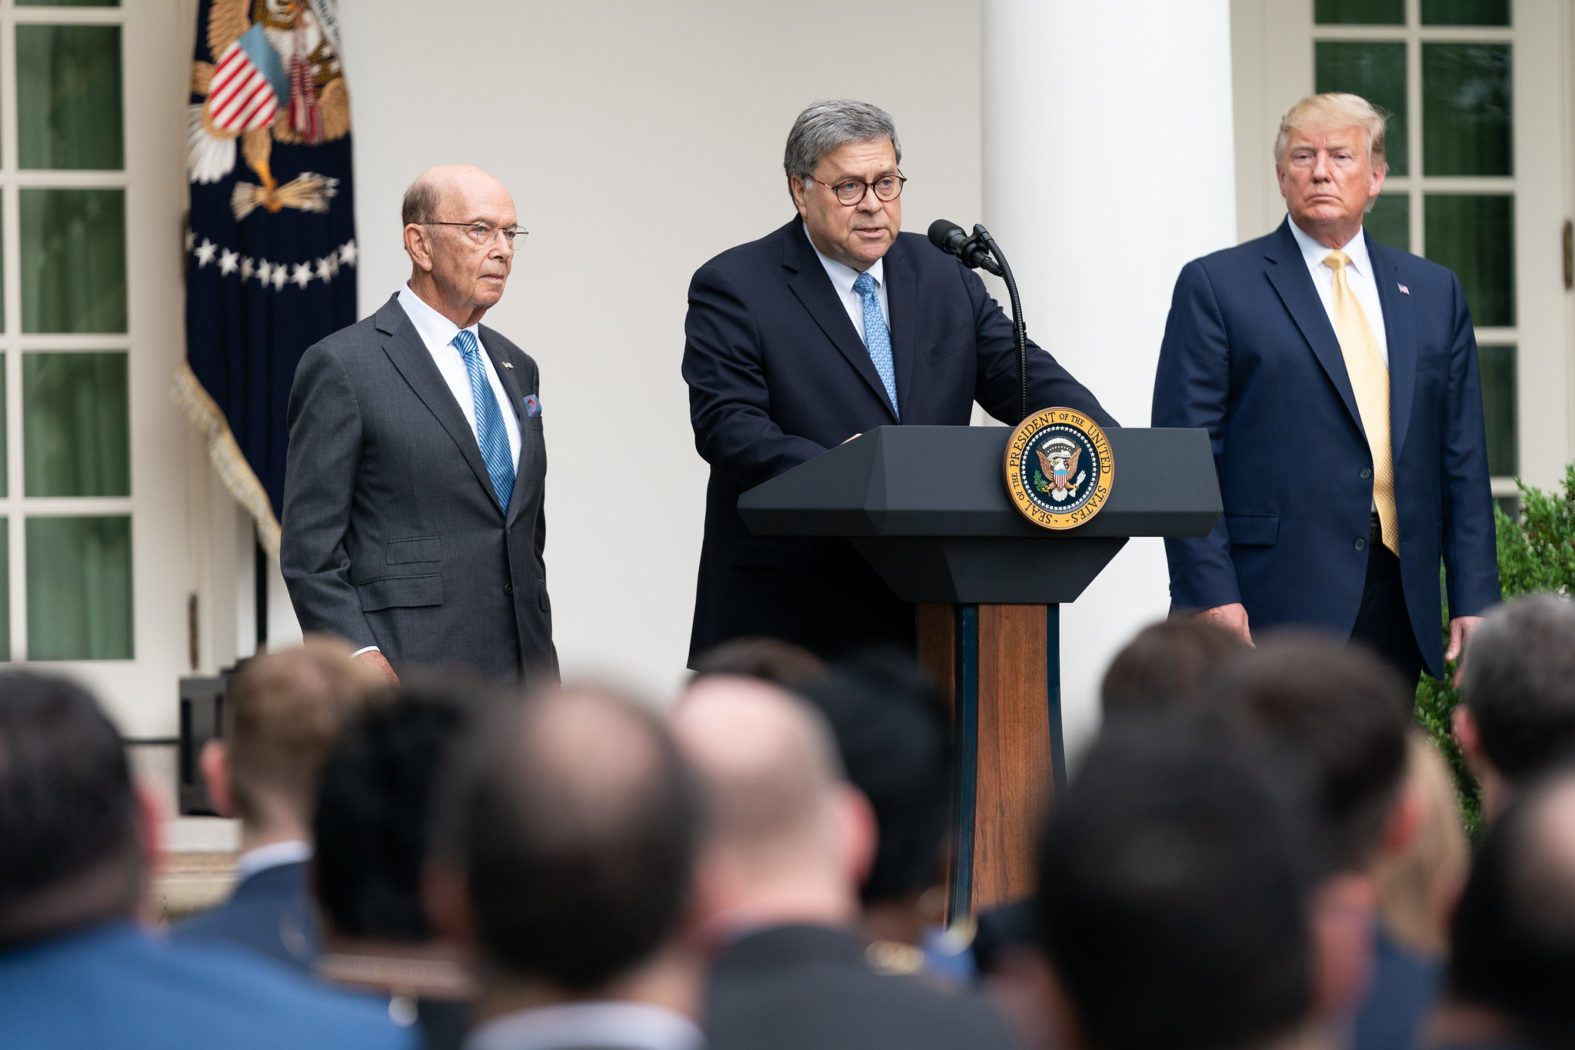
column 1108, row 164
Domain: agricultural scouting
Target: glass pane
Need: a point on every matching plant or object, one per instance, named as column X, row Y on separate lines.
column 1466, row 109
column 1475, row 237
column 1390, row 220
column 1359, row 12
column 1465, row 12
column 1510, row 505
column 4, row 461
column 68, row 96
column 66, row 288
column 79, row 588
column 74, row 425
column 1377, row 73
column 5, row 588
column 1497, row 365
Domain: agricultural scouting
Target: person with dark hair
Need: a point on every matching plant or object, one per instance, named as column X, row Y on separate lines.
column 372, row 827
column 76, row 968
column 1164, row 667
column 789, row 843
column 1512, row 959
column 282, row 714
column 1516, row 719
column 1339, row 712
column 1175, row 878
column 564, row 862
column 768, row 659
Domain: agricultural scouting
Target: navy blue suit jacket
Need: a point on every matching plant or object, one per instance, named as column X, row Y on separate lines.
column 1250, row 355
column 777, row 374
column 269, row 913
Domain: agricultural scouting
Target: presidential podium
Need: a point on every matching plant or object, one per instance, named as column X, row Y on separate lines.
column 927, row 507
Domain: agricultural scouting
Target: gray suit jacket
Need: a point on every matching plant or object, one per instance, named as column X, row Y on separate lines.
column 391, row 533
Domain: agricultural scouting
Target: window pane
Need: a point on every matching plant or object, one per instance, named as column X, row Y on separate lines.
column 1390, row 220
column 1497, row 365
column 65, row 286
column 5, row 489
column 1475, row 237
column 74, row 425
column 1359, row 12
column 1510, row 505
column 79, row 588
column 5, row 588
column 1465, row 12
column 68, row 96
column 1466, row 109
column 1377, row 73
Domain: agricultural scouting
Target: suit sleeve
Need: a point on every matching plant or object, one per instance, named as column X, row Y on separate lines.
column 729, row 395
column 996, row 384
column 1470, row 545
column 1192, row 389
column 321, row 465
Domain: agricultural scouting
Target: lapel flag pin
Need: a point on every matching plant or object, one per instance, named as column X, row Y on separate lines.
column 1403, row 289
column 508, row 366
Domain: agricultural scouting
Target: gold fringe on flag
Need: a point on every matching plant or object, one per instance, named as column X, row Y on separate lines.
column 225, row 455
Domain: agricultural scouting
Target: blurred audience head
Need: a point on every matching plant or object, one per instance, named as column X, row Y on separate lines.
column 571, row 825
column 788, row 838
column 1517, row 719
column 1164, row 667
column 76, row 841
column 282, row 714
column 767, row 659
column 1175, row 876
column 1419, row 884
column 1513, row 938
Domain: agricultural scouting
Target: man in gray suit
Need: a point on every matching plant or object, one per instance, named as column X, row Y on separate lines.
column 413, row 520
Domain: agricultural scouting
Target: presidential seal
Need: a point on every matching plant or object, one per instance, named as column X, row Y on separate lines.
column 1059, row 468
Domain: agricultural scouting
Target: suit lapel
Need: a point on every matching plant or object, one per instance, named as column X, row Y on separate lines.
column 814, row 290
column 516, row 399
column 1400, row 334
column 1287, row 272
column 902, row 301
column 414, row 363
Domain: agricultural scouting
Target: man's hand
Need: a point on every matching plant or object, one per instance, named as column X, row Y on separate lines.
column 379, row 663
column 1232, row 617
column 1460, row 630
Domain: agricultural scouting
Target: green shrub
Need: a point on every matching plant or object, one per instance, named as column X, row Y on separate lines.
column 1536, row 552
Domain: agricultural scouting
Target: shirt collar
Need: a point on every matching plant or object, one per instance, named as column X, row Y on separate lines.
column 605, row 1023
column 434, row 329
column 842, row 275
column 273, row 855
column 1315, row 253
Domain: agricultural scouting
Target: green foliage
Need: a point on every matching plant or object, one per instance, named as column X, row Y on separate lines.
column 1536, row 552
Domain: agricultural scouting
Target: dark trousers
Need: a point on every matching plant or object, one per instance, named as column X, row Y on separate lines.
column 1382, row 623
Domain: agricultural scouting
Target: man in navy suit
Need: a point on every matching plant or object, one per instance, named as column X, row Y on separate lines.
column 1348, row 440
column 835, row 324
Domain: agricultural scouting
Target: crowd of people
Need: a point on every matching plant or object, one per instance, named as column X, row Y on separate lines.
column 1258, row 849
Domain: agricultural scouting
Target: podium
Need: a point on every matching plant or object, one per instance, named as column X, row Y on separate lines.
column 927, row 507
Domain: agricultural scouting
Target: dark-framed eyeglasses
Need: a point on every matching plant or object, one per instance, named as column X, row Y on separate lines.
column 850, row 191
column 483, row 232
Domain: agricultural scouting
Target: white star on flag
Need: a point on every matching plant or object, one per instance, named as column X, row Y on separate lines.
column 347, row 253
column 302, row 275
column 205, row 252
column 229, row 261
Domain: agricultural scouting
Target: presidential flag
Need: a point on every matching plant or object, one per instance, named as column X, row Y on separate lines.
column 270, row 242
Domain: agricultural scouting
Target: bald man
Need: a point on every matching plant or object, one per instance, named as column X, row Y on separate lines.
column 789, row 844
column 413, row 521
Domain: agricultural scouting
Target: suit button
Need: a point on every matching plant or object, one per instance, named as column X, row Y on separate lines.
column 1360, row 544
column 508, row 588
column 1367, row 472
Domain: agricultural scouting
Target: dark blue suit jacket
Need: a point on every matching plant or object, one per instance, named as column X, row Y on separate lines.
column 1250, row 355
column 269, row 913
column 112, row 987
column 777, row 374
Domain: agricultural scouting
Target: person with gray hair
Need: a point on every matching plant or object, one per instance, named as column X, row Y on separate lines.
column 1516, row 719
column 834, row 324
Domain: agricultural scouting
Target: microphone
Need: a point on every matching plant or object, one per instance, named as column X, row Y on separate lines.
column 953, row 240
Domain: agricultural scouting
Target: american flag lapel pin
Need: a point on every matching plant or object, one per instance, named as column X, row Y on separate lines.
column 511, row 367
column 1403, row 289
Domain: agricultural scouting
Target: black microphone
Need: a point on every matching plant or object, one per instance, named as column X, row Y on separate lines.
column 954, row 240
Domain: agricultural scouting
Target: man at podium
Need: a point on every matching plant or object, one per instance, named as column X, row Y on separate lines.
column 830, row 326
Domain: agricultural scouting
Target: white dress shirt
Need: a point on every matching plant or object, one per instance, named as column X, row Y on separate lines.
column 1359, row 277
column 593, row 1023
column 842, row 278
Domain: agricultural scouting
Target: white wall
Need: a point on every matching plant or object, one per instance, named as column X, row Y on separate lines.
column 638, row 139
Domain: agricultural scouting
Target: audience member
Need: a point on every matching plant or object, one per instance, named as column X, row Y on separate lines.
column 372, row 828
column 76, row 970
column 1512, row 964
column 283, row 712
column 564, row 861
column 1164, row 667
column 1175, row 875
column 790, row 842
column 1339, row 711
column 768, row 659
column 1517, row 719
column 1419, row 885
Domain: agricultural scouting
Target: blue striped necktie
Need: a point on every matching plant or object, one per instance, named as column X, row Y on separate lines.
column 491, row 434
column 877, row 340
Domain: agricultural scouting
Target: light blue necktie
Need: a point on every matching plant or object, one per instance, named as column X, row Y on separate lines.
column 491, row 434
column 877, row 340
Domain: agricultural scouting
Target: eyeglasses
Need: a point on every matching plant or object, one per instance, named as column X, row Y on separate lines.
column 483, row 232
column 851, row 191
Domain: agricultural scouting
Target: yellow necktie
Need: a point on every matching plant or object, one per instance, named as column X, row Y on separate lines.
column 1364, row 363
